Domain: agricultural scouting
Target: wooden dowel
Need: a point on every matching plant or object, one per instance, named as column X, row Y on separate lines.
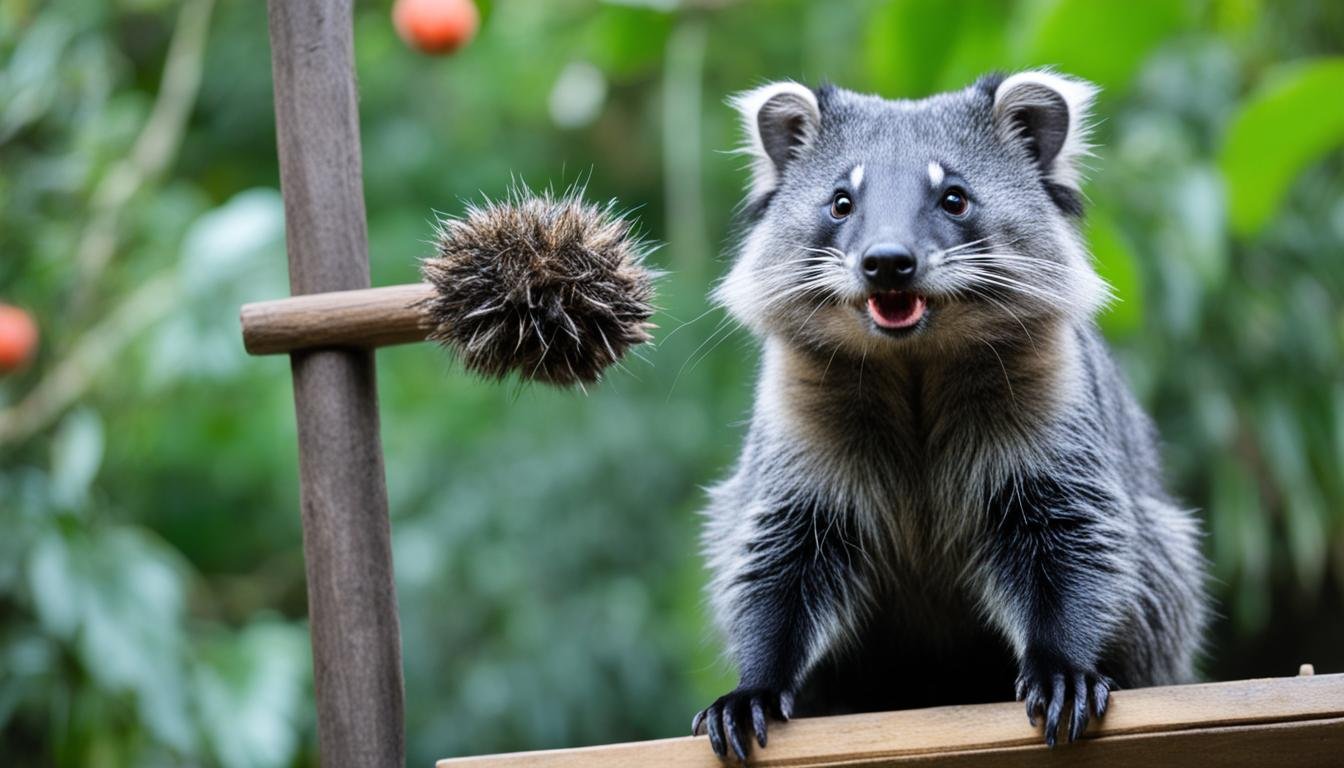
column 1282, row 721
column 367, row 318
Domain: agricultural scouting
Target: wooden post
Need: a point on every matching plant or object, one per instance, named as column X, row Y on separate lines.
column 352, row 604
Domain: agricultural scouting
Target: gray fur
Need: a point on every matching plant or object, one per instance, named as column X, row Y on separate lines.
column 926, row 518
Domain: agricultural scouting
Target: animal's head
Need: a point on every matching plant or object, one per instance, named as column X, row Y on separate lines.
column 876, row 224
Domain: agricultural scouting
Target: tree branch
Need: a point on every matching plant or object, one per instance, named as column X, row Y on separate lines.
column 154, row 148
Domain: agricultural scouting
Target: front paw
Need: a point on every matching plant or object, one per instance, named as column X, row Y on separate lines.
column 729, row 717
column 1045, row 684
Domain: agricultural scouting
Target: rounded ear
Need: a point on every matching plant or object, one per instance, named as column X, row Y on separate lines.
column 1049, row 112
column 778, row 120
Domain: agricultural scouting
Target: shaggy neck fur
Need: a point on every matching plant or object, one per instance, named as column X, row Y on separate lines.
column 912, row 443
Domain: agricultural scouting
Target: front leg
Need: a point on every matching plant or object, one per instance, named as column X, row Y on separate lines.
column 1058, row 566
column 785, row 590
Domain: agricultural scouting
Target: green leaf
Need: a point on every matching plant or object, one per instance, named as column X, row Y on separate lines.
column 116, row 596
column 1101, row 40
column 1337, row 401
column 1283, row 445
column 1293, row 119
column 27, row 92
column 231, row 242
column 56, row 592
column 625, row 41
column 902, row 59
column 77, row 453
column 1115, row 263
column 1234, row 506
column 979, row 46
column 250, row 690
column 231, row 255
column 1202, row 222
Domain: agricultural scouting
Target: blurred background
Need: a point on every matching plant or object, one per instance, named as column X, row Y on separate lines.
column 151, row 576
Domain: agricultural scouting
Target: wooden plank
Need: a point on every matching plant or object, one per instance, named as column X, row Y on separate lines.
column 351, row 598
column 368, row 318
column 1226, row 721
column 1302, row 744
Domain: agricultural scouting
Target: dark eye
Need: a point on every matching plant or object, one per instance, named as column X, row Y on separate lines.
column 841, row 205
column 955, row 201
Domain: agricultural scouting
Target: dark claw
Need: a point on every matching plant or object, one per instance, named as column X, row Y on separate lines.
column 1078, row 718
column 1034, row 704
column 1101, row 696
column 1054, row 710
column 1052, row 689
column 734, row 734
column 728, row 717
column 715, row 720
column 758, row 720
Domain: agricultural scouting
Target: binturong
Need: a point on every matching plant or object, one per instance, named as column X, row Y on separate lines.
column 947, row 493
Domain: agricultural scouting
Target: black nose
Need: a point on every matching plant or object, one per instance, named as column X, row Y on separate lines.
column 888, row 266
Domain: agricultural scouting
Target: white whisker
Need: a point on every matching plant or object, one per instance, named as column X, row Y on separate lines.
column 724, row 323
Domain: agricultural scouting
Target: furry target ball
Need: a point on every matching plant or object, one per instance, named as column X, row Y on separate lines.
column 552, row 287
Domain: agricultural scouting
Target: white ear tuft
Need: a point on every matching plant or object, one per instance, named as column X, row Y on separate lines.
column 778, row 120
column 1052, row 112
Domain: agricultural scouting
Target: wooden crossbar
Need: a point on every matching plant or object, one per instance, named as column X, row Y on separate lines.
column 364, row 319
column 1296, row 721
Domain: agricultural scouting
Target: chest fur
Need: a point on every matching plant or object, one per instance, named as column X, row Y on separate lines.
column 913, row 452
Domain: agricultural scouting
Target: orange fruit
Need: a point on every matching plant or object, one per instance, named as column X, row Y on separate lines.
column 436, row 26
column 18, row 338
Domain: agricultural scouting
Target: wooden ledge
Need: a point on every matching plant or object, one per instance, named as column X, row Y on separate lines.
column 367, row 318
column 1296, row 721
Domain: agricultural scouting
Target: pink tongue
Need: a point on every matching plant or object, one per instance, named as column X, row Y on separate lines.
column 896, row 309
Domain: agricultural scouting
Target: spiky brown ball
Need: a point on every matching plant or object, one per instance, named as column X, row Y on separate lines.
column 551, row 287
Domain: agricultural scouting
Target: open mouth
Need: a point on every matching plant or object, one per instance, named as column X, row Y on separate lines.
column 896, row 310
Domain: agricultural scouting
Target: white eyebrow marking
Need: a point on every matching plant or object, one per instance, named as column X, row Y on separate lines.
column 856, row 177
column 935, row 173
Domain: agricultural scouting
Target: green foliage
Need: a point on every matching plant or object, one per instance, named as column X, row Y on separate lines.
column 100, row 660
column 151, row 577
column 1292, row 120
column 1115, row 264
column 1103, row 41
